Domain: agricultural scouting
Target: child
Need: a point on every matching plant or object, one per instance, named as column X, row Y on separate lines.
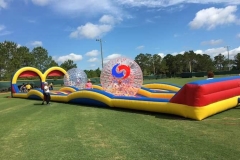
column 210, row 75
column 89, row 85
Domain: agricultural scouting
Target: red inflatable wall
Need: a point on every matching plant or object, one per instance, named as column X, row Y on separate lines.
column 204, row 92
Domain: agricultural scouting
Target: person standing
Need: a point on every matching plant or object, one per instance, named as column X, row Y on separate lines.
column 23, row 88
column 210, row 75
column 28, row 86
column 46, row 93
column 51, row 86
column 89, row 84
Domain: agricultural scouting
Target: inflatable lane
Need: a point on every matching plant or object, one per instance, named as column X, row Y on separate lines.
column 196, row 100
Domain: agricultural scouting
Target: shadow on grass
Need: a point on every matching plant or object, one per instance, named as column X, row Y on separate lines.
column 149, row 113
column 38, row 104
column 132, row 111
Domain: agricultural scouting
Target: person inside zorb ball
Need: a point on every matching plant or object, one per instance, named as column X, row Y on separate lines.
column 75, row 77
column 121, row 77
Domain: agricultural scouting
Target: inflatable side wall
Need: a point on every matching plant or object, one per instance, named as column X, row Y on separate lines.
column 209, row 96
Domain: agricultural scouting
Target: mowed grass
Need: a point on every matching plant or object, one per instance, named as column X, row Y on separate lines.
column 29, row 130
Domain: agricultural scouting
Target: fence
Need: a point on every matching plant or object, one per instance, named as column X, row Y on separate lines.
column 5, row 85
column 202, row 74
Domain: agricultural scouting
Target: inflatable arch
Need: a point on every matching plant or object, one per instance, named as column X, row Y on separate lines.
column 34, row 72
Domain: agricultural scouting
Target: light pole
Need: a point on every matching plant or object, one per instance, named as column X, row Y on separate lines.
column 228, row 57
column 100, row 40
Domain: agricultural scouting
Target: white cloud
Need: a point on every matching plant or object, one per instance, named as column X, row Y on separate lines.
column 212, row 42
column 161, row 54
column 92, row 53
column 3, row 31
column 238, row 35
column 3, row 4
column 91, row 31
column 176, row 53
column 81, row 7
column 41, row 2
column 72, row 56
column 108, row 19
column 149, row 21
column 115, row 7
column 140, row 47
column 198, row 52
column 36, row 43
column 92, row 60
column 166, row 3
column 110, row 57
column 223, row 50
column 19, row 45
column 32, row 21
column 213, row 52
column 176, row 35
column 212, row 17
column 2, row 27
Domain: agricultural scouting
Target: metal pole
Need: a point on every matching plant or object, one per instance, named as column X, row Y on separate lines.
column 101, row 52
column 228, row 57
column 100, row 40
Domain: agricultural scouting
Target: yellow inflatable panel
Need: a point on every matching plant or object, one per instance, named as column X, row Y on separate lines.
column 162, row 86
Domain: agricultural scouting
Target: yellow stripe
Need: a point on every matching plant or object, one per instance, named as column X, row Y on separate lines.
column 155, row 95
column 24, row 69
column 146, row 93
column 97, row 87
column 92, row 95
column 197, row 113
column 67, row 89
column 162, row 86
column 53, row 69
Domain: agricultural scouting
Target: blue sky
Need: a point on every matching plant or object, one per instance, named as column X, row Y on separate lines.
column 68, row 29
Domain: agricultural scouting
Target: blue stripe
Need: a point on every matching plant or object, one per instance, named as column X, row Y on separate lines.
column 38, row 89
column 58, row 94
column 88, row 101
column 15, row 86
column 223, row 79
column 35, row 97
column 146, row 89
column 73, row 88
column 142, row 99
column 100, row 92
column 157, row 91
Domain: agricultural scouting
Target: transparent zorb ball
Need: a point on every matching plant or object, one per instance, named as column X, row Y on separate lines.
column 75, row 77
column 121, row 77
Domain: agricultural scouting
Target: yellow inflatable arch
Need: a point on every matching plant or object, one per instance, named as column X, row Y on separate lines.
column 34, row 72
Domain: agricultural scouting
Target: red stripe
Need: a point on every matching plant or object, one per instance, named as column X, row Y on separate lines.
column 202, row 95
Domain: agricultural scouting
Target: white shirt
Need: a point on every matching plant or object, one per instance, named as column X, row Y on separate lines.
column 46, row 89
column 209, row 78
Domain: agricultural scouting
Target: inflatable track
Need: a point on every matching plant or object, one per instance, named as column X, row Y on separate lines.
column 196, row 100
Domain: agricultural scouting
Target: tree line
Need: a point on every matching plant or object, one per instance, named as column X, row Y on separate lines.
column 14, row 57
column 187, row 62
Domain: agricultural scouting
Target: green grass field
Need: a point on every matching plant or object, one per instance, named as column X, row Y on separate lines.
column 29, row 130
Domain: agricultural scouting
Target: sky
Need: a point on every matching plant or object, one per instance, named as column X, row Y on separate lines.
column 68, row 29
